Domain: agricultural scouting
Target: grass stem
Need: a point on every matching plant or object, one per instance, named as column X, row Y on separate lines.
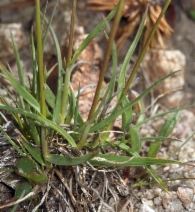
column 68, row 68
column 44, row 142
column 106, row 58
column 40, row 59
column 143, row 52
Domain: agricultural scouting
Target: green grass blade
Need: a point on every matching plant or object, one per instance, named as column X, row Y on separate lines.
column 138, row 109
column 71, row 108
column 156, row 178
column 127, row 116
column 20, row 73
column 49, row 24
column 85, row 128
column 56, row 114
column 22, row 190
column 41, row 77
column 111, row 85
column 44, row 14
column 106, row 58
column 50, row 97
column 154, row 148
column 12, row 142
column 34, row 152
column 21, row 90
column 33, row 130
column 92, row 35
column 11, row 97
column 163, row 114
column 81, row 129
column 124, row 147
column 67, row 65
column 135, row 139
column 122, row 76
column 35, row 89
column 67, row 161
column 115, row 160
column 112, row 117
column 145, row 47
column 43, row 121
column 76, row 112
column 83, row 139
column 21, row 101
column 159, row 139
column 51, row 70
column 170, row 123
column 15, row 117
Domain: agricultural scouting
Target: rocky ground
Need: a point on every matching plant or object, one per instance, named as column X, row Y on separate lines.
column 178, row 55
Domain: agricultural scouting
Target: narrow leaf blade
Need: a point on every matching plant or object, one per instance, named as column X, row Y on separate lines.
column 115, row 160
column 92, row 35
column 169, row 124
column 43, row 121
column 21, row 90
column 66, row 161
column 154, row 148
column 112, row 117
column 135, row 139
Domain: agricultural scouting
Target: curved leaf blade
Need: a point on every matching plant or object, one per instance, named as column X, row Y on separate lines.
column 112, row 117
column 115, row 160
column 20, row 89
column 42, row 120
column 169, row 124
column 67, row 161
column 92, row 35
column 35, row 153
column 58, row 99
column 154, row 148
column 155, row 176
column 135, row 139
column 163, row 114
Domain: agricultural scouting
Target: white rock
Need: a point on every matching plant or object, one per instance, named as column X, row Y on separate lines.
column 159, row 63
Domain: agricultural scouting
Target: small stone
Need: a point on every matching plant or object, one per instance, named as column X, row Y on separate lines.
column 174, row 167
column 146, row 206
column 166, row 199
column 157, row 201
column 147, row 202
column 138, row 194
column 149, row 194
column 157, row 191
column 185, row 194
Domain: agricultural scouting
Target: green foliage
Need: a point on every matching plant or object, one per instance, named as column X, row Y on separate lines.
column 41, row 116
column 154, row 148
column 169, row 124
column 115, row 160
column 70, row 161
column 22, row 190
column 27, row 168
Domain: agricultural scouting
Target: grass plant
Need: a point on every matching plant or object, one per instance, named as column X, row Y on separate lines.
column 39, row 115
